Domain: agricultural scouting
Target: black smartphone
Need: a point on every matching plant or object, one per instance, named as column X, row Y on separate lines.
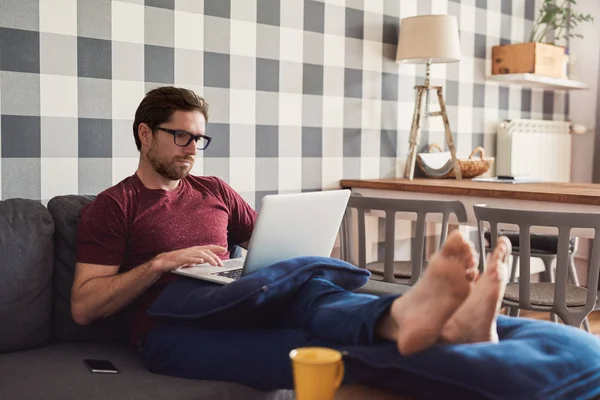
column 101, row 366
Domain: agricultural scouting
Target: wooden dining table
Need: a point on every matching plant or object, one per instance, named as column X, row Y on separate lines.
column 548, row 196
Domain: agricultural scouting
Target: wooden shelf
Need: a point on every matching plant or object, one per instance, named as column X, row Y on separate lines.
column 537, row 81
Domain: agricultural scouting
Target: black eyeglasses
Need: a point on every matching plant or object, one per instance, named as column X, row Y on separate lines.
column 184, row 138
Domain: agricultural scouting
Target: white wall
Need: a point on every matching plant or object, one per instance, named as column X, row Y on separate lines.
column 583, row 107
column 583, row 103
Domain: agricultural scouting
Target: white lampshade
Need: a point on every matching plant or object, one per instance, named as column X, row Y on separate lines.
column 428, row 37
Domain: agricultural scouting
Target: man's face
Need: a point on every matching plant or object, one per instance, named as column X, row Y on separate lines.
column 168, row 159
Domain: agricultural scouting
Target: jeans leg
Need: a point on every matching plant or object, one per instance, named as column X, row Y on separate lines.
column 335, row 314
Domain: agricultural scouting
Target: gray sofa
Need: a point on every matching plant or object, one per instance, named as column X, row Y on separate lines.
column 42, row 349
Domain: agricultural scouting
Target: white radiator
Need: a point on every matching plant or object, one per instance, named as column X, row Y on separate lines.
column 534, row 148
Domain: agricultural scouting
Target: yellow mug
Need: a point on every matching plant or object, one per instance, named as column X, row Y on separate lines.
column 318, row 372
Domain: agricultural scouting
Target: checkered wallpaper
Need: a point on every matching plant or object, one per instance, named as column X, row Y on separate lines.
column 302, row 92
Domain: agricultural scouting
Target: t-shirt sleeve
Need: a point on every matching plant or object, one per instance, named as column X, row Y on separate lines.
column 101, row 233
column 242, row 217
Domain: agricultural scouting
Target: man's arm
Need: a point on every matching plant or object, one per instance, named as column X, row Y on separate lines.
column 98, row 291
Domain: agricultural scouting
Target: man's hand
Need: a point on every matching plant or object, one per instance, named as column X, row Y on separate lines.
column 185, row 257
column 98, row 291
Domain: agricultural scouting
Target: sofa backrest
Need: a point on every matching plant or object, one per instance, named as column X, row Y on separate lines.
column 38, row 249
column 65, row 211
column 26, row 266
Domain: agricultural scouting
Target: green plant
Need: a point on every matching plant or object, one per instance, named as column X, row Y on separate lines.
column 559, row 19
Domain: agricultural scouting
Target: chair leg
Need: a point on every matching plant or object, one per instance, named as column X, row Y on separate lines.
column 574, row 280
column 513, row 311
column 586, row 325
column 574, row 320
column 548, row 268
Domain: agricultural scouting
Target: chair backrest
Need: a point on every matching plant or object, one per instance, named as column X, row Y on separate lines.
column 422, row 208
column 564, row 222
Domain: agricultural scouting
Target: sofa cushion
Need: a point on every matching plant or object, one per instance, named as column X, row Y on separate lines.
column 26, row 254
column 65, row 210
column 57, row 371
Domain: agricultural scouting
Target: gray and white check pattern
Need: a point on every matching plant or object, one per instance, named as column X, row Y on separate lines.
column 302, row 93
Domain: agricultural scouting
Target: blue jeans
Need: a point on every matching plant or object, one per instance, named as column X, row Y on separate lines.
column 534, row 359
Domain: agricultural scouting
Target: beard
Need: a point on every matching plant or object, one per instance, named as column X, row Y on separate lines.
column 169, row 168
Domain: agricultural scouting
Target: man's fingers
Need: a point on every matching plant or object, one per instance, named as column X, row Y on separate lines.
column 191, row 261
column 205, row 257
column 214, row 248
column 200, row 255
column 212, row 258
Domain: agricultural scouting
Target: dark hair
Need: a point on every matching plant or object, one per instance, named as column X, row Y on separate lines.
column 159, row 104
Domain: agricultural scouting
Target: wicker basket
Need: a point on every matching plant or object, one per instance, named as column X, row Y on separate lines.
column 470, row 167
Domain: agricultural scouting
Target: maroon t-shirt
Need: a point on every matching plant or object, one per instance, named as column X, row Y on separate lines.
column 129, row 224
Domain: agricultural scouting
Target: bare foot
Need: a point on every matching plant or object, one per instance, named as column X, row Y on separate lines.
column 475, row 320
column 416, row 319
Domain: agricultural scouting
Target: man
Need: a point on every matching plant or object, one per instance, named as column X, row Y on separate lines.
column 161, row 218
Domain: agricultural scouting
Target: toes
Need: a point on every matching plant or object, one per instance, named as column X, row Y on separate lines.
column 496, row 267
column 470, row 255
column 468, row 249
column 502, row 250
column 502, row 271
column 456, row 245
column 505, row 245
column 472, row 274
column 494, row 273
column 474, row 256
column 453, row 246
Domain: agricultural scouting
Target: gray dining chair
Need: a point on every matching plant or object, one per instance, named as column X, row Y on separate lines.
column 389, row 271
column 570, row 301
column 544, row 247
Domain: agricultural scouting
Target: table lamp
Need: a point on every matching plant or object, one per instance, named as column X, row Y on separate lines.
column 428, row 39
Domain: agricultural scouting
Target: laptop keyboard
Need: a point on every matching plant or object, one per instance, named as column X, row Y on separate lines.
column 232, row 273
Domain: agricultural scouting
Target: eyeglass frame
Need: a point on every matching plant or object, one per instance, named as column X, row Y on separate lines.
column 174, row 133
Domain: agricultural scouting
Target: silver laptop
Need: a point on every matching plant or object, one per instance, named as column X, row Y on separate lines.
column 288, row 226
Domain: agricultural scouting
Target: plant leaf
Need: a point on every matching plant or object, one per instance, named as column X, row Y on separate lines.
column 549, row 17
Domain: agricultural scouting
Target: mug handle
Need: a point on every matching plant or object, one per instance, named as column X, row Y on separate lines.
column 340, row 375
